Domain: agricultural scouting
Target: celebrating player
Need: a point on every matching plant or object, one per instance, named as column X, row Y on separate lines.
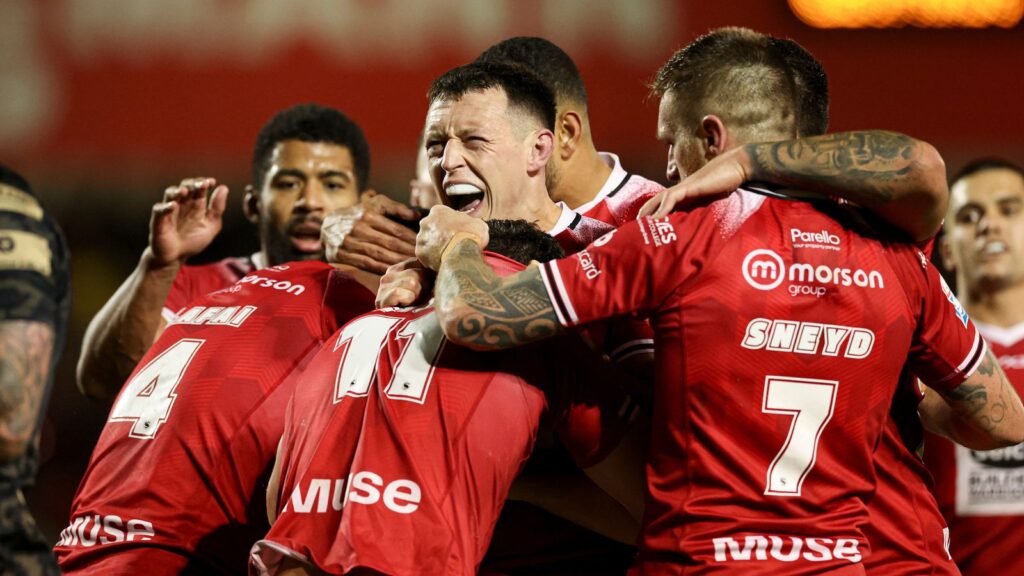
column 399, row 449
column 308, row 160
column 978, row 490
column 177, row 479
column 796, row 311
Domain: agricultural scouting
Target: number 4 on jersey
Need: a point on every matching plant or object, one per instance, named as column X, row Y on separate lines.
column 148, row 397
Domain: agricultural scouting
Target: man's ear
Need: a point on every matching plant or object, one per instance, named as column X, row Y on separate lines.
column 568, row 133
column 540, row 152
column 716, row 136
column 251, row 204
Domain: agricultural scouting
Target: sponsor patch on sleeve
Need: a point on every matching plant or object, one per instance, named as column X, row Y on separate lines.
column 21, row 250
column 19, row 202
column 958, row 308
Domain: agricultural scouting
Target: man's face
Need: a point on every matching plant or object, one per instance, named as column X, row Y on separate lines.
column 478, row 160
column 985, row 232
column 685, row 153
column 305, row 181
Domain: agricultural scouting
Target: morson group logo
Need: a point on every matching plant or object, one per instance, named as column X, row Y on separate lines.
column 765, row 270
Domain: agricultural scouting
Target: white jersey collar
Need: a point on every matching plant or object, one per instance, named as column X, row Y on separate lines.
column 1005, row 337
column 613, row 182
column 565, row 219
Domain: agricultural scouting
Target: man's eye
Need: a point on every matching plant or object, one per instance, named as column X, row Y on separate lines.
column 286, row 184
column 435, row 150
column 1011, row 209
column 968, row 217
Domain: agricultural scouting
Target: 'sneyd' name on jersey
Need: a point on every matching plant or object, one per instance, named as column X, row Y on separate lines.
column 781, row 334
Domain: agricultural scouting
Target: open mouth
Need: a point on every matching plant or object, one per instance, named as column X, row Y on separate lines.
column 464, row 197
column 305, row 236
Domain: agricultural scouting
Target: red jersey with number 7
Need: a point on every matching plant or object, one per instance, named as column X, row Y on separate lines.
column 178, row 476
column 780, row 335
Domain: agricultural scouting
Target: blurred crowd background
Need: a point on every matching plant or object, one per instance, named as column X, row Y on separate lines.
column 104, row 103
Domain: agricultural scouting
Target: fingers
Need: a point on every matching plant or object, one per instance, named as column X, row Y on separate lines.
column 384, row 232
column 359, row 261
column 218, row 202
column 381, row 204
column 402, row 285
column 651, row 205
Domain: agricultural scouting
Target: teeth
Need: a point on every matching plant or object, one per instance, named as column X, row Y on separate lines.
column 994, row 248
column 461, row 189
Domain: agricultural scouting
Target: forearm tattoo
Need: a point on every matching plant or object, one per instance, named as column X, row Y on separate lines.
column 492, row 312
column 868, row 165
column 972, row 402
column 25, row 349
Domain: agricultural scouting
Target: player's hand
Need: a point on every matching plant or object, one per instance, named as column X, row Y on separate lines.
column 716, row 179
column 189, row 218
column 365, row 237
column 405, row 284
column 437, row 230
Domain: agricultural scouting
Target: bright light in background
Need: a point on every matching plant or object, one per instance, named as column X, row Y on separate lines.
column 897, row 13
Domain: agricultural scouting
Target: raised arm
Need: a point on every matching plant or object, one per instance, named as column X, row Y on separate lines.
column 477, row 308
column 118, row 336
column 982, row 413
column 899, row 178
column 26, row 348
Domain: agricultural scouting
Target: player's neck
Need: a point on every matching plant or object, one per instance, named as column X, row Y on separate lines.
column 1003, row 307
column 582, row 178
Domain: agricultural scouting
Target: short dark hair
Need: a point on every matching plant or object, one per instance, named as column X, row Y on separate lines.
column 737, row 74
column 311, row 123
column 11, row 178
column 811, row 83
column 982, row 164
column 522, row 87
column 546, row 60
column 521, row 241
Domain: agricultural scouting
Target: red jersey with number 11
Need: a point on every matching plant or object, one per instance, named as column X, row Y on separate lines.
column 780, row 335
column 177, row 479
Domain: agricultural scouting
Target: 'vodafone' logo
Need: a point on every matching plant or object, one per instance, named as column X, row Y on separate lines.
column 764, row 269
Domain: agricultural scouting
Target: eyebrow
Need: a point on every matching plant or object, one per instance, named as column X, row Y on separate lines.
column 345, row 174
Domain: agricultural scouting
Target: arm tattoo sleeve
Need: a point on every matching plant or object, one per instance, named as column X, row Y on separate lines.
column 984, row 398
column 484, row 311
column 870, row 165
column 25, row 349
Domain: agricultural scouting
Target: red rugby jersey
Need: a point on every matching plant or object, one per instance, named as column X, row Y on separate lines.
column 402, row 465
column 178, row 475
column 621, row 197
column 195, row 281
column 780, row 335
column 981, row 493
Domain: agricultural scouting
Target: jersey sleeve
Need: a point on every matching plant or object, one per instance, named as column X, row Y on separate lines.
column 631, row 269
column 34, row 273
column 184, row 289
column 947, row 347
column 344, row 299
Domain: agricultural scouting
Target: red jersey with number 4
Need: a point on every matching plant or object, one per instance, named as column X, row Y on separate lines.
column 981, row 493
column 402, row 465
column 177, row 478
column 780, row 335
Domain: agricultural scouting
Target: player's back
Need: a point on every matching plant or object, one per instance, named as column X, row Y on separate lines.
column 780, row 335
column 401, row 465
column 176, row 472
